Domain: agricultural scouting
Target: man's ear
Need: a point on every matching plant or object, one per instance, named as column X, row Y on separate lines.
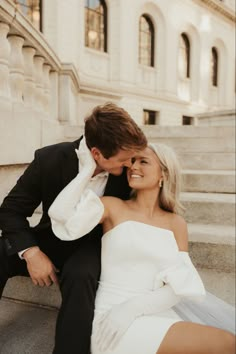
column 96, row 153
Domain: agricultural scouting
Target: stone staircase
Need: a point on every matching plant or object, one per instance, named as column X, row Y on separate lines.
column 207, row 156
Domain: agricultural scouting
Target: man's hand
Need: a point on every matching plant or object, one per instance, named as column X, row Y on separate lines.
column 41, row 270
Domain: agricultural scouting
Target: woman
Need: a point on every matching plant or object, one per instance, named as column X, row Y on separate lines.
column 146, row 269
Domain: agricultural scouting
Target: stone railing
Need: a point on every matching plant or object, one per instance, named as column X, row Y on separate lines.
column 223, row 118
column 38, row 93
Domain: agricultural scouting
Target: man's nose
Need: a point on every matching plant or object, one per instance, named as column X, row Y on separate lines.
column 128, row 163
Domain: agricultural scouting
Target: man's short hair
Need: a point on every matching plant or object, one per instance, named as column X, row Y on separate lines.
column 110, row 128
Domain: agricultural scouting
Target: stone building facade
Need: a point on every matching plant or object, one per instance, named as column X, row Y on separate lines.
column 116, row 72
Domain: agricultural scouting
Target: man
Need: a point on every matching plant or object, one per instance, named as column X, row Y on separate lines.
column 112, row 137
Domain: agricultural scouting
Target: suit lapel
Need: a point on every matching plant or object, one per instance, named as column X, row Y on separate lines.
column 70, row 165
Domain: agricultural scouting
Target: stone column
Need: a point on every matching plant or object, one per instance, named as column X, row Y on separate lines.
column 54, row 89
column 46, row 82
column 4, row 61
column 38, row 71
column 29, row 84
column 16, row 68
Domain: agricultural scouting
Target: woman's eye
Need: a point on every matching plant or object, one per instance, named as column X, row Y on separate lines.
column 143, row 161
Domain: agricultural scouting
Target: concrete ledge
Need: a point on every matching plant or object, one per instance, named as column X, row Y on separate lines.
column 208, row 208
column 220, row 284
column 22, row 288
column 207, row 161
column 220, row 118
column 212, row 256
column 209, row 145
column 26, row 329
column 155, row 132
column 208, row 181
column 214, row 234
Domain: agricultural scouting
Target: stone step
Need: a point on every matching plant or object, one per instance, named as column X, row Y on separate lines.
column 209, row 208
column 208, row 181
column 212, row 233
column 189, row 144
column 26, row 328
column 22, row 289
column 217, row 118
column 212, row 246
column 191, row 131
column 221, row 284
column 207, row 161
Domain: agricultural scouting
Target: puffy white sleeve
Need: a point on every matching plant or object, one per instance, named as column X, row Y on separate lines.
column 85, row 215
column 183, row 277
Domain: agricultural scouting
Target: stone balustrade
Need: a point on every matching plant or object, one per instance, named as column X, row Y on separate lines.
column 38, row 93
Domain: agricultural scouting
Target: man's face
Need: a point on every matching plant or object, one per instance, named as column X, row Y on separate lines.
column 113, row 164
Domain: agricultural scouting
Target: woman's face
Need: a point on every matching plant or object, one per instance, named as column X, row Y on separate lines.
column 145, row 172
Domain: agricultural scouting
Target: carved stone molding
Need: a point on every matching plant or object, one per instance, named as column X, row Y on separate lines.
column 219, row 7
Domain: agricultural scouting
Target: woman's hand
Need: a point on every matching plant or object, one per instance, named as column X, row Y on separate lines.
column 86, row 160
column 112, row 325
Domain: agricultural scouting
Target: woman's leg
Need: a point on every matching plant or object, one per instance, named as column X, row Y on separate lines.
column 192, row 338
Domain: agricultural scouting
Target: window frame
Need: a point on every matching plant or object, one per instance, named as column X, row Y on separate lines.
column 22, row 6
column 100, row 33
column 154, row 118
column 214, row 66
column 187, row 49
column 151, row 59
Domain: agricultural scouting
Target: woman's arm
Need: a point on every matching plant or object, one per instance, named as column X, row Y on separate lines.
column 115, row 322
column 180, row 230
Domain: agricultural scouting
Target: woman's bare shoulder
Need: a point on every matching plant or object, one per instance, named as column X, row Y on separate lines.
column 109, row 201
column 114, row 209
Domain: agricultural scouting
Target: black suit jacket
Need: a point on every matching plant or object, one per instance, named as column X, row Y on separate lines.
column 51, row 170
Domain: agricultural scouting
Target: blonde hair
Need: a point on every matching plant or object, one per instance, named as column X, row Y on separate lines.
column 170, row 190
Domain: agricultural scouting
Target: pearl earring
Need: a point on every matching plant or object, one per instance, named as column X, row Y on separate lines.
column 160, row 183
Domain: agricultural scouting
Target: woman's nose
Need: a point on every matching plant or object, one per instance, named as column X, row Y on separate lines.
column 134, row 165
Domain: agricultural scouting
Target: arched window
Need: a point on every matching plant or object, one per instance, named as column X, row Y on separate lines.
column 32, row 9
column 214, row 66
column 96, row 24
column 146, row 41
column 184, row 56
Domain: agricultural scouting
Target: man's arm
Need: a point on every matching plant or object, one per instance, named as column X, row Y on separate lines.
column 19, row 204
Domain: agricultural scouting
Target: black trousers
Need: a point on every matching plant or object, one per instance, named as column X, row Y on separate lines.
column 79, row 264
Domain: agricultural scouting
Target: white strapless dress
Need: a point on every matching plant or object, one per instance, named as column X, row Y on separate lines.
column 132, row 257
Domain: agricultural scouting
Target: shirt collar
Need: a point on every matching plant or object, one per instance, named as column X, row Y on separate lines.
column 103, row 174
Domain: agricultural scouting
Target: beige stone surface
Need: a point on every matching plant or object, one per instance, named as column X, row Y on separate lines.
column 221, row 284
